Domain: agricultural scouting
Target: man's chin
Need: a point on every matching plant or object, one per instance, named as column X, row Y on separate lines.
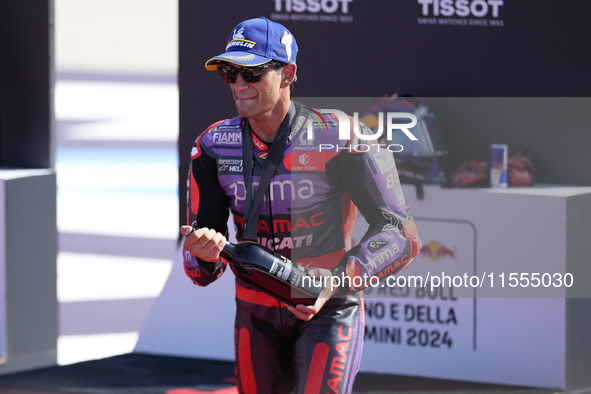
column 244, row 109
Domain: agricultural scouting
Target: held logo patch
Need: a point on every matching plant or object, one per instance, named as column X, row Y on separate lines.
column 230, row 165
column 374, row 246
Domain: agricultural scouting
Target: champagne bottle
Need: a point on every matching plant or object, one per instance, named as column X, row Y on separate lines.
column 272, row 272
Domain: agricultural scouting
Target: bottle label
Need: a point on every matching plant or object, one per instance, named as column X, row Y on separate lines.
column 286, row 271
column 274, row 267
column 295, row 278
column 281, row 268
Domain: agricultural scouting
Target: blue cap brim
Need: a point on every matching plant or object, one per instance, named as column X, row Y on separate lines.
column 236, row 57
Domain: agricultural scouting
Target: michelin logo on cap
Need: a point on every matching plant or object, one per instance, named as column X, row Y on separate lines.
column 238, row 34
column 239, row 40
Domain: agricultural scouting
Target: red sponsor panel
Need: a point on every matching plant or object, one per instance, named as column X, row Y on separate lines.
column 316, row 370
column 260, row 145
column 247, row 380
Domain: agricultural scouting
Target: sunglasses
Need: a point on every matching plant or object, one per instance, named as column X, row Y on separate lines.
column 249, row 74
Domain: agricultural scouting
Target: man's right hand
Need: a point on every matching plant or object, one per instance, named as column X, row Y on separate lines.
column 203, row 243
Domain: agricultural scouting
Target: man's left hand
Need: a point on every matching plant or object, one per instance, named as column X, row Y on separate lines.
column 307, row 312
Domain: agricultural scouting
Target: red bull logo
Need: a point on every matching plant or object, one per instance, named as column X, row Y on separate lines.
column 435, row 251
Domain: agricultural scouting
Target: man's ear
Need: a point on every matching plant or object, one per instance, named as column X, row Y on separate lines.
column 288, row 73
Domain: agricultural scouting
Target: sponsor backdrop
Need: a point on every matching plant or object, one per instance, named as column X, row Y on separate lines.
column 428, row 48
column 431, row 48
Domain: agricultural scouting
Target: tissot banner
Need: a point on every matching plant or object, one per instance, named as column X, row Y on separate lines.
column 428, row 48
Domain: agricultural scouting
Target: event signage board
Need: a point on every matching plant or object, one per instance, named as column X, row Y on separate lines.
column 410, row 313
column 451, row 333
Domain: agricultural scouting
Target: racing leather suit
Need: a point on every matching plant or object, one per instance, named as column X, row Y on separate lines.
column 307, row 215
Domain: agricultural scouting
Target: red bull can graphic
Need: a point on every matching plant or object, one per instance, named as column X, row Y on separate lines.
column 498, row 165
column 435, row 251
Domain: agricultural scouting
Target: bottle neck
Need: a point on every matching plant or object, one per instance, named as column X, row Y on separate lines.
column 229, row 251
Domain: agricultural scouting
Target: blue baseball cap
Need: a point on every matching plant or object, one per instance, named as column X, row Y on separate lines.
column 255, row 42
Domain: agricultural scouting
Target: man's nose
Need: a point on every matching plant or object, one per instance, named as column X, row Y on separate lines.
column 240, row 84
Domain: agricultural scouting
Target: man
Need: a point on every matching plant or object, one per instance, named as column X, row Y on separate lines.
column 306, row 214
